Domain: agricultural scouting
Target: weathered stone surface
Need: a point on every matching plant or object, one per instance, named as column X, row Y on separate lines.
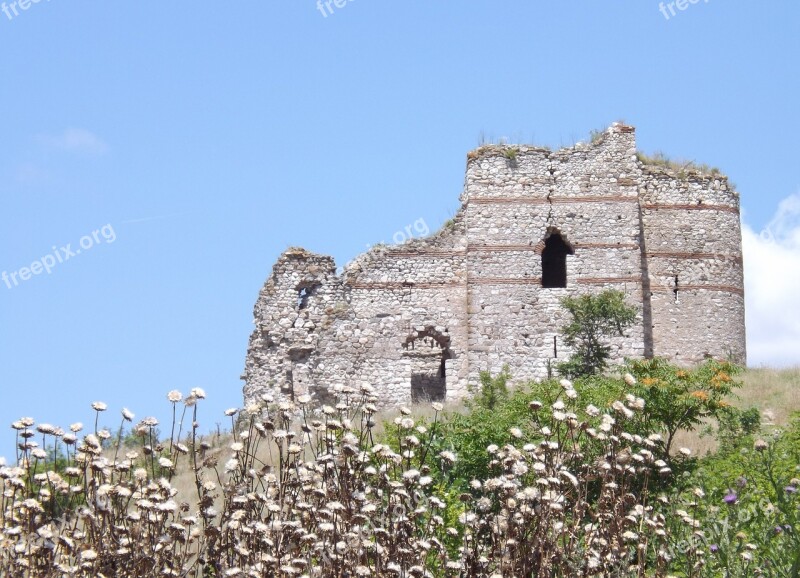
column 421, row 320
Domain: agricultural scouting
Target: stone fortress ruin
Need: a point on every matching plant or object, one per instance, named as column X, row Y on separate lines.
column 420, row 321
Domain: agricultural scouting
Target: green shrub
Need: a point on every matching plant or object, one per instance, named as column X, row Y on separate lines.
column 679, row 399
column 593, row 318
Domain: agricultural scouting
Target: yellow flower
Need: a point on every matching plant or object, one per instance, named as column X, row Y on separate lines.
column 701, row 395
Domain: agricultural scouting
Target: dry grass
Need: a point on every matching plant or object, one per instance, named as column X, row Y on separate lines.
column 775, row 392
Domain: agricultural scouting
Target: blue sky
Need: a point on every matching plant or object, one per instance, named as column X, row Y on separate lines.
column 209, row 137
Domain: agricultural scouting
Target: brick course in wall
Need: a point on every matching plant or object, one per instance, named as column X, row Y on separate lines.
column 422, row 320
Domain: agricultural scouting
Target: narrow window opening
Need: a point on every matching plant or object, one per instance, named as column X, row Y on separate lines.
column 555, row 346
column 554, row 261
column 676, row 289
column 305, row 291
column 302, row 298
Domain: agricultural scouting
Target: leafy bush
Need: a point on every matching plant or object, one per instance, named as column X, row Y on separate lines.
column 679, row 399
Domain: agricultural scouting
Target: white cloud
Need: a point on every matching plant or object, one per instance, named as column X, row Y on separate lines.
column 78, row 140
column 772, row 288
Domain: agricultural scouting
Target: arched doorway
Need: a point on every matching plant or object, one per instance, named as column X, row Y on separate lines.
column 428, row 350
column 554, row 260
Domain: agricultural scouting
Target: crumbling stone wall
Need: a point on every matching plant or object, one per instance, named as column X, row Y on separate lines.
column 420, row 321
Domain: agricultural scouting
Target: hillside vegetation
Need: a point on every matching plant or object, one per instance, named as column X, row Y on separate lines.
column 560, row 478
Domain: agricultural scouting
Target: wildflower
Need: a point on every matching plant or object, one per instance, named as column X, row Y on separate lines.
column 89, row 555
column 730, row 498
column 237, row 446
column 126, row 414
column 566, row 384
column 46, row 428
column 637, row 404
column 535, row 405
column 76, row 427
column 447, row 456
column 198, row 392
column 410, row 474
column 713, row 548
column 619, row 407
column 685, row 451
column 231, row 465
column 760, row 445
column 519, row 469
column 516, row 432
column 437, row 406
column 592, row 411
column 790, row 489
column 174, row 396
column 99, row 406
column 629, row 379
column 571, row 393
column 699, row 395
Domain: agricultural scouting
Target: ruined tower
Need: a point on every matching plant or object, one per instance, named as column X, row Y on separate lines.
column 420, row 321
